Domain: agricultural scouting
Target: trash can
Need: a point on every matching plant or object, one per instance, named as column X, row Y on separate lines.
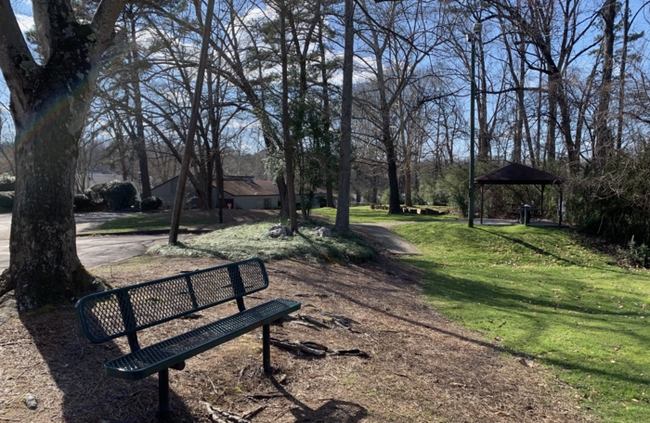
column 524, row 214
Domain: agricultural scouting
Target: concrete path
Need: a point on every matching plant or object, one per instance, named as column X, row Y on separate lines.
column 508, row 222
column 382, row 233
column 94, row 251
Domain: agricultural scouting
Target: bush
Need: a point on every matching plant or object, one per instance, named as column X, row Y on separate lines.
column 433, row 193
column 151, row 203
column 116, row 195
column 635, row 255
column 612, row 200
column 6, row 200
column 7, row 182
column 455, row 186
column 82, row 202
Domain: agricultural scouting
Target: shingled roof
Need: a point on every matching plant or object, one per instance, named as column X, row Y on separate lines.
column 246, row 188
column 518, row 174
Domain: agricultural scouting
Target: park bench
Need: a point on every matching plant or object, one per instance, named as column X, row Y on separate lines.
column 125, row 311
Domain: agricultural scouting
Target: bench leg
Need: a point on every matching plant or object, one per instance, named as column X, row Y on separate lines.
column 163, row 396
column 266, row 348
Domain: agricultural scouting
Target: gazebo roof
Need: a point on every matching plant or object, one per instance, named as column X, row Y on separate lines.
column 518, row 174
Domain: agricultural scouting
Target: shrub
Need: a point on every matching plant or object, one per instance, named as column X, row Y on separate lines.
column 94, row 193
column 6, row 200
column 455, row 187
column 7, row 182
column 635, row 255
column 611, row 199
column 82, row 202
column 116, row 195
column 151, row 203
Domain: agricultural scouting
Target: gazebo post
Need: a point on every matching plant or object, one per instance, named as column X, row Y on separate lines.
column 560, row 219
column 482, row 186
column 542, row 207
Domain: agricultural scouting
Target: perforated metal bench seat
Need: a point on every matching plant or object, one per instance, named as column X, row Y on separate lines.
column 165, row 354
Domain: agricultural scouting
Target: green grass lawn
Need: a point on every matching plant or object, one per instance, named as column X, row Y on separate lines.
column 364, row 214
column 251, row 240
column 545, row 294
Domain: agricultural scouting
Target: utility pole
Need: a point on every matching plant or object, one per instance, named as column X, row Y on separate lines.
column 471, row 37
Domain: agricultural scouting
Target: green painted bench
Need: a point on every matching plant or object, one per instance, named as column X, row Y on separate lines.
column 125, row 311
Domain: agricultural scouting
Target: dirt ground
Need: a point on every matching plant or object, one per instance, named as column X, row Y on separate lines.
column 421, row 367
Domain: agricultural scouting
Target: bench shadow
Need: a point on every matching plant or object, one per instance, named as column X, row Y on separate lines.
column 77, row 369
column 331, row 411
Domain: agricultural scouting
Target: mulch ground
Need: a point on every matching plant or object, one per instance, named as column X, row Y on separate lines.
column 421, row 367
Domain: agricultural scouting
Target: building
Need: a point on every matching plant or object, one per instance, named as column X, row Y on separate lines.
column 240, row 192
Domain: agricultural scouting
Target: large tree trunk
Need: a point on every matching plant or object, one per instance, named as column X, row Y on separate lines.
column 342, row 223
column 604, row 140
column 286, row 132
column 44, row 260
column 49, row 103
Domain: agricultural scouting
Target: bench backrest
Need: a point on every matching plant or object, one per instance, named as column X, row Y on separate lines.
column 119, row 312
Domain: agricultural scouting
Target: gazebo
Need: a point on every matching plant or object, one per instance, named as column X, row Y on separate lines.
column 518, row 174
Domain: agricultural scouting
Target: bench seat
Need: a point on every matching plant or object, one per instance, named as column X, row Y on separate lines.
column 173, row 351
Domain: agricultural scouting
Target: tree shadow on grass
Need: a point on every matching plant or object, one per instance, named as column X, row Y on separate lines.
column 543, row 252
column 77, row 369
column 480, row 292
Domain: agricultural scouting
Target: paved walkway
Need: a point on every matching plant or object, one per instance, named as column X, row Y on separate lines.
column 382, row 233
column 509, row 222
column 94, row 251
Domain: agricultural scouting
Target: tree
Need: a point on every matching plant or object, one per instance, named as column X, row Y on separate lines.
column 398, row 45
column 556, row 31
column 342, row 221
column 49, row 101
column 604, row 137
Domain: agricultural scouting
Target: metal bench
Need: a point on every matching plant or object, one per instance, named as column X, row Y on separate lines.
column 125, row 311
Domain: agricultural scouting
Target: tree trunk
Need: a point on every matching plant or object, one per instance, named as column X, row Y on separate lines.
column 622, row 78
column 393, row 183
column 49, row 104
column 329, row 174
column 44, row 262
column 286, row 123
column 553, row 91
column 604, row 140
column 484, row 143
column 139, row 141
column 284, row 198
column 342, row 223
column 408, row 200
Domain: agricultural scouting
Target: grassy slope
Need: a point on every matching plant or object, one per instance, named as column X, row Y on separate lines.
column 365, row 214
column 251, row 240
column 153, row 221
column 543, row 293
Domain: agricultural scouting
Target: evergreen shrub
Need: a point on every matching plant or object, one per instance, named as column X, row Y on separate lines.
column 151, row 203
column 6, row 200
column 7, row 182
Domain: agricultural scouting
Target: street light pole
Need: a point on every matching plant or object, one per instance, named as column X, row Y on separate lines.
column 471, row 37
